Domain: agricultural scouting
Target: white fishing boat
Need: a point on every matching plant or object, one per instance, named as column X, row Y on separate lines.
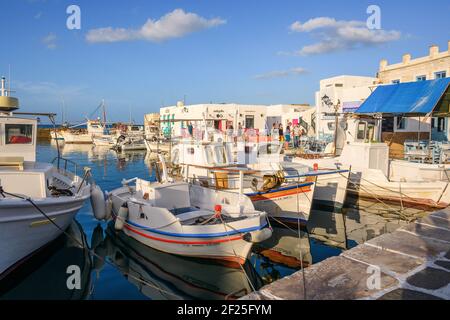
column 286, row 192
column 83, row 136
column 157, row 146
column 188, row 220
column 372, row 170
column 94, row 128
column 103, row 141
column 130, row 143
column 38, row 201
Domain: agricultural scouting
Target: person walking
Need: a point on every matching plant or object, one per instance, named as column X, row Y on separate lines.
column 280, row 133
column 190, row 129
column 297, row 134
column 287, row 137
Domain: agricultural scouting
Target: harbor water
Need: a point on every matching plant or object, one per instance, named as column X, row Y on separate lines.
column 113, row 266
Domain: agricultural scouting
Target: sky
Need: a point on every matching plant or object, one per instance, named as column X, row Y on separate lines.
column 139, row 55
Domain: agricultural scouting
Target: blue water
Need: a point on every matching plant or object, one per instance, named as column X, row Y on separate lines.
column 165, row 276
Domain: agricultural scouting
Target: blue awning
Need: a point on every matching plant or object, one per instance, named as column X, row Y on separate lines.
column 419, row 97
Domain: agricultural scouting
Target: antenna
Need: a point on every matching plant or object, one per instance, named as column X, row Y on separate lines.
column 129, row 109
column 9, row 79
column 63, row 111
column 104, row 112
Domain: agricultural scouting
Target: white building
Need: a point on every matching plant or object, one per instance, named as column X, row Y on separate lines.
column 175, row 119
column 435, row 65
column 289, row 114
column 346, row 92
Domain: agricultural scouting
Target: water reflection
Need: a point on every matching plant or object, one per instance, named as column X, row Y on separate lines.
column 164, row 276
column 45, row 276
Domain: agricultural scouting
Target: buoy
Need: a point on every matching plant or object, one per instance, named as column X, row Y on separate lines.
column 121, row 217
column 109, row 205
column 98, row 202
column 316, row 167
column 258, row 236
column 217, row 211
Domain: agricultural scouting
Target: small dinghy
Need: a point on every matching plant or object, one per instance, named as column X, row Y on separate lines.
column 188, row 220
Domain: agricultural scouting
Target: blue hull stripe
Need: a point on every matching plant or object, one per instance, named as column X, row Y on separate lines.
column 198, row 235
column 281, row 189
column 316, row 174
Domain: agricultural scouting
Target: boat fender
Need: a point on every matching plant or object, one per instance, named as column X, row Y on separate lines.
column 121, row 217
column 258, row 236
column 98, row 202
column 109, row 205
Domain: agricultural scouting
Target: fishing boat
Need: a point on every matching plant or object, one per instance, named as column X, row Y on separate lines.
column 157, row 146
column 38, row 201
column 103, row 141
column 284, row 191
column 375, row 176
column 130, row 143
column 188, row 220
column 93, row 128
column 83, row 136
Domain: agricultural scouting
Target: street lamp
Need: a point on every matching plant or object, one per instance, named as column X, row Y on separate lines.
column 327, row 101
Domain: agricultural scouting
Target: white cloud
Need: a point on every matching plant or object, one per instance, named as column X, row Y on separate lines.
column 175, row 24
column 340, row 35
column 50, row 41
column 281, row 74
column 49, row 89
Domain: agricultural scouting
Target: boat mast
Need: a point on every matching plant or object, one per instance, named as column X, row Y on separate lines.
column 104, row 112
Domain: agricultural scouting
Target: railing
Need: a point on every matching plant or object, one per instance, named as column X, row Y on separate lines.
column 66, row 162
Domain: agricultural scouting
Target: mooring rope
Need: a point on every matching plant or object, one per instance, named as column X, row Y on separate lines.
column 81, row 244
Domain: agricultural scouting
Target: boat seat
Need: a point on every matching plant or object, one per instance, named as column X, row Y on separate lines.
column 16, row 162
column 192, row 215
column 177, row 211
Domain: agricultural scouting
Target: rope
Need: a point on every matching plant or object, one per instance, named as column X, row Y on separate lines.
column 300, row 242
column 232, row 247
column 81, row 244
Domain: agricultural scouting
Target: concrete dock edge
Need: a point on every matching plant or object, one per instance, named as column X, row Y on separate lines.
column 411, row 263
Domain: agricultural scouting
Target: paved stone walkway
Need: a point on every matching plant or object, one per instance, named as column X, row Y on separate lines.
column 413, row 263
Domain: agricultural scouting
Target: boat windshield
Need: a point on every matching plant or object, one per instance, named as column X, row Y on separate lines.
column 18, row 133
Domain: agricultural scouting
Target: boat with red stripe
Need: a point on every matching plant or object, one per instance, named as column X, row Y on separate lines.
column 188, row 220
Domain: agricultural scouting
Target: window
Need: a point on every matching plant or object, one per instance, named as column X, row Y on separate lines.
column 440, row 75
column 395, row 81
column 421, row 78
column 19, row 133
column 401, row 123
column 221, row 155
column 249, row 122
column 361, row 131
column 388, row 124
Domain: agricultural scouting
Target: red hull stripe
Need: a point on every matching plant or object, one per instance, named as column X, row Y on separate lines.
column 182, row 242
column 280, row 194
